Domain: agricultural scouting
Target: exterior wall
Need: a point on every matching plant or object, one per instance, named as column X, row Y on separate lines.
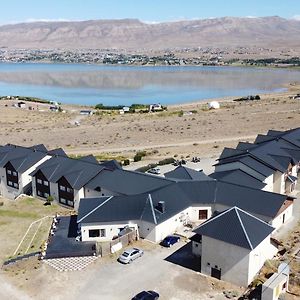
column 269, row 184
column 194, row 213
column 294, row 170
column 78, row 194
column 171, row 225
column 239, row 165
column 196, row 248
column 265, row 250
column 24, row 179
column 287, row 214
column 111, row 230
column 147, row 230
column 233, row 261
column 278, row 183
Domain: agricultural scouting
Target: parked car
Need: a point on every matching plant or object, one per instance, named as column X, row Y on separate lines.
column 154, row 171
column 130, row 255
column 170, row 240
column 146, row 295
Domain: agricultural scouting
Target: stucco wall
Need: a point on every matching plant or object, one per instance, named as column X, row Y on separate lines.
column 269, row 184
column 287, row 213
column 196, row 248
column 278, row 183
column 111, row 230
column 265, row 250
column 232, row 260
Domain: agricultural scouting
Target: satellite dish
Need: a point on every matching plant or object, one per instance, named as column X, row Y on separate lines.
column 284, row 268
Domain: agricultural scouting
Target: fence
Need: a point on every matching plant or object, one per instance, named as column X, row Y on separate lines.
column 19, row 258
column 104, row 248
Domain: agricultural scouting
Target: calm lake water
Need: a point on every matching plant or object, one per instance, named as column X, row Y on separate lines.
column 124, row 85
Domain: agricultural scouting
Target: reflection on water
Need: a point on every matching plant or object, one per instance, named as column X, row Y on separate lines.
column 90, row 84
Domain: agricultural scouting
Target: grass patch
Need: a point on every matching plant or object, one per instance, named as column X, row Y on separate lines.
column 17, row 214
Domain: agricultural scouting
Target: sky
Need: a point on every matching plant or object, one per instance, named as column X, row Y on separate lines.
column 15, row 11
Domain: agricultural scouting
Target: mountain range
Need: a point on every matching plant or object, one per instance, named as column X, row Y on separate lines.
column 132, row 34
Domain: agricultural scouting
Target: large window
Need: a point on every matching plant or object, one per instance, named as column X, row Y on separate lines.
column 39, row 181
column 97, row 233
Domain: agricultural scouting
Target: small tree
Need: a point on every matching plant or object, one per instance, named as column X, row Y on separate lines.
column 49, row 200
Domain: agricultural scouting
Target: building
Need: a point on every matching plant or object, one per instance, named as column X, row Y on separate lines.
column 16, row 164
column 166, row 209
column 273, row 159
column 64, row 178
column 233, row 246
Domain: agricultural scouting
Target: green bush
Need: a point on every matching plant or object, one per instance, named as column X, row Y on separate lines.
column 166, row 161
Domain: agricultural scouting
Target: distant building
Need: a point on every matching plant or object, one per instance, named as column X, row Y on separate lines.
column 155, row 107
column 86, row 112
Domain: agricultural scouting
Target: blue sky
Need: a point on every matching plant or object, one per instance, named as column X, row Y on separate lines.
column 13, row 11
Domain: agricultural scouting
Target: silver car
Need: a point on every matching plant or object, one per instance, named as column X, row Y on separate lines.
column 129, row 255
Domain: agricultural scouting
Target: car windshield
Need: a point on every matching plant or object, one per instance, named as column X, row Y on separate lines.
column 125, row 254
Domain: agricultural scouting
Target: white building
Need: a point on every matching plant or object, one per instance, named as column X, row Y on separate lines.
column 16, row 164
column 233, row 246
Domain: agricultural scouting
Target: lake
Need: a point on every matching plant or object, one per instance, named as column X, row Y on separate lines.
column 124, row 85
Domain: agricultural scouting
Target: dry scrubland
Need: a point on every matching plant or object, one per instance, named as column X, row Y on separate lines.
column 203, row 133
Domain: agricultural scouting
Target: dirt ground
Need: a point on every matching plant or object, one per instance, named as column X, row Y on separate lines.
column 174, row 132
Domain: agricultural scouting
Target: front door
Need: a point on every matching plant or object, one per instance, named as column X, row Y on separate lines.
column 215, row 273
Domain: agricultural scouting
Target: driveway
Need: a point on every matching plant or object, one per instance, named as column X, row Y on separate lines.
column 165, row 270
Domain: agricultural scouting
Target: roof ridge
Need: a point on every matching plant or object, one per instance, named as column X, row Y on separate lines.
column 243, row 227
column 152, row 209
column 90, row 212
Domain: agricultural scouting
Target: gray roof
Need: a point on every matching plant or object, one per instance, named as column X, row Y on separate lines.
column 276, row 151
column 182, row 172
column 236, row 226
column 21, row 158
column 127, row 182
column 178, row 196
column 77, row 172
column 240, row 177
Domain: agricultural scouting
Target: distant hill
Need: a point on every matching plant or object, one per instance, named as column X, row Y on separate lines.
column 133, row 34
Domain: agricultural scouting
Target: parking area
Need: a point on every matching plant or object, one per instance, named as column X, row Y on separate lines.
column 172, row 272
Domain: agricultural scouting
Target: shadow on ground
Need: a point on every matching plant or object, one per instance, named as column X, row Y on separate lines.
column 184, row 258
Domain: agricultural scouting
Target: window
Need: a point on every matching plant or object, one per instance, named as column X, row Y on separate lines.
column 15, row 173
column 70, row 203
column 39, row 193
column 46, row 183
column 202, row 214
column 39, row 181
column 46, row 195
column 9, row 172
column 94, row 233
column 102, row 233
column 16, row 185
column 62, row 200
column 69, row 190
column 62, row 188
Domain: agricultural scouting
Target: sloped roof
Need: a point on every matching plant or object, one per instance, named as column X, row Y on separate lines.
column 21, row 158
column 127, row 182
column 257, row 202
column 111, row 164
column 77, row 172
column 182, row 172
column 236, row 226
column 58, row 152
column 240, row 177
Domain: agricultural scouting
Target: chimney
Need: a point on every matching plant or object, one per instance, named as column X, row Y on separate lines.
column 161, row 206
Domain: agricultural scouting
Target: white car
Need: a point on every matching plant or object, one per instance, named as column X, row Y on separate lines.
column 154, row 171
column 130, row 255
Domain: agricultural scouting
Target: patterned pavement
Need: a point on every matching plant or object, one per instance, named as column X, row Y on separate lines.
column 70, row 263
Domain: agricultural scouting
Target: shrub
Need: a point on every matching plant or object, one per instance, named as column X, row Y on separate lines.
column 49, row 199
column 166, row 161
column 126, row 162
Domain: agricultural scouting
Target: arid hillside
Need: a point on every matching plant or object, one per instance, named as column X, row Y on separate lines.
column 132, row 34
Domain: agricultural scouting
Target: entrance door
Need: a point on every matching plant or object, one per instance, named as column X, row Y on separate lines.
column 283, row 218
column 215, row 273
column 202, row 214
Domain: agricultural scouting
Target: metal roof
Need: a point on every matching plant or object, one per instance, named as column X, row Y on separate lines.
column 236, row 226
column 240, row 177
column 182, row 172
